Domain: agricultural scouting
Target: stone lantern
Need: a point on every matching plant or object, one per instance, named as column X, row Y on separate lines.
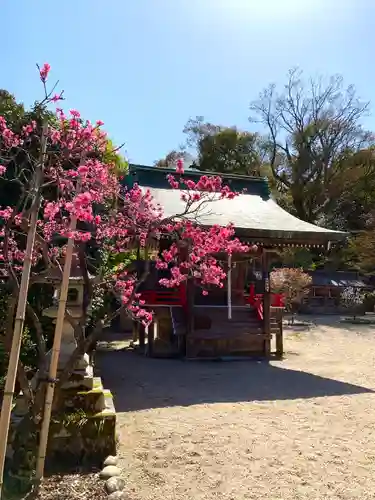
column 96, row 438
column 74, row 306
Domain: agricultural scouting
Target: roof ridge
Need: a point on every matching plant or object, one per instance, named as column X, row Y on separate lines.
column 225, row 175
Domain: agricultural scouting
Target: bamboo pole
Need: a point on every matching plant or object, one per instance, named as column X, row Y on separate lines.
column 44, row 432
column 229, row 285
column 6, row 408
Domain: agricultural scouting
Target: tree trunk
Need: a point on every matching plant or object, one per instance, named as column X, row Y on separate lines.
column 298, row 202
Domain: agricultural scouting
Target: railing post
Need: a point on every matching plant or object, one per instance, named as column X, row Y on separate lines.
column 280, row 335
column 266, row 304
column 229, row 286
column 150, row 338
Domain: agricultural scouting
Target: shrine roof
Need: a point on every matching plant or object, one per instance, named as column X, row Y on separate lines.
column 341, row 279
column 255, row 215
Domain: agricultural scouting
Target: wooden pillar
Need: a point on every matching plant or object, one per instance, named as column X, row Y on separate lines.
column 229, row 287
column 279, row 335
column 190, row 290
column 266, row 303
column 141, row 336
column 123, row 318
column 150, row 339
column 184, row 252
column 135, row 331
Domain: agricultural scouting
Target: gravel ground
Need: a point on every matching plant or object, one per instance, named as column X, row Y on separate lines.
column 301, row 428
column 72, row 487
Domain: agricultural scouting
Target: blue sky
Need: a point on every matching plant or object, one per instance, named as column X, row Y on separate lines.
column 145, row 66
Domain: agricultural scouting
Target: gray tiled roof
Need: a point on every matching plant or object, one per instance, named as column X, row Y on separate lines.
column 249, row 212
column 337, row 279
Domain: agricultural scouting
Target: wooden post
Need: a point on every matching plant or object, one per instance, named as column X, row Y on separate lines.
column 279, row 336
column 123, row 320
column 142, row 336
column 266, row 304
column 229, row 285
column 44, row 432
column 135, row 331
column 10, row 381
column 150, row 339
column 56, row 346
column 190, row 291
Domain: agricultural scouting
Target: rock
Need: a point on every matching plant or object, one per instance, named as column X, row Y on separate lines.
column 111, row 460
column 109, row 471
column 118, row 495
column 114, row 483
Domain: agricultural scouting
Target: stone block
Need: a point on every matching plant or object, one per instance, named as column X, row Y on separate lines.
column 109, row 471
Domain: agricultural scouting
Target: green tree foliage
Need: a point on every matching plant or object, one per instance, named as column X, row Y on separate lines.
column 16, row 117
column 353, row 193
column 361, row 248
column 113, row 155
column 217, row 149
column 12, row 111
column 224, row 149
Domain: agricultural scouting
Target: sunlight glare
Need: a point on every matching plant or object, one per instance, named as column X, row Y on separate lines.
column 266, row 9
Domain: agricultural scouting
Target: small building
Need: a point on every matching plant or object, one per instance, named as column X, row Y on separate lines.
column 241, row 318
column 326, row 289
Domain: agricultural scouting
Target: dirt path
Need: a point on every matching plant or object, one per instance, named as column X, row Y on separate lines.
column 302, row 428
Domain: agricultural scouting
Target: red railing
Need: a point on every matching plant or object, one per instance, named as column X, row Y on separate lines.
column 259, row 309
column 256, row 300
column 176, row 297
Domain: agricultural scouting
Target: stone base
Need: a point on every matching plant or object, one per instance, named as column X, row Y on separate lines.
column 83, row 428
column 87, row 432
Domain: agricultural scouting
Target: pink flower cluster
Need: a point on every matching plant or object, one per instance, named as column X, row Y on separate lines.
column 193, row 191
column 43, row 72
column 7, row 137
column 201, row 263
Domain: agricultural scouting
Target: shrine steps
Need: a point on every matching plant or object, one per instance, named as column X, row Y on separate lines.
column 213, row 335
column 216, row 336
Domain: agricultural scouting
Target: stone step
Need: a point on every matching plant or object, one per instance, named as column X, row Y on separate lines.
column 106, row 401
column 85, row 379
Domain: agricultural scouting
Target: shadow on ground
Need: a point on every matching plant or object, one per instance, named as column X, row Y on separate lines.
column 139, row 383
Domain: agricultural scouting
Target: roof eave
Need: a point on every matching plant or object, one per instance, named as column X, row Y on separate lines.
column 291, row 238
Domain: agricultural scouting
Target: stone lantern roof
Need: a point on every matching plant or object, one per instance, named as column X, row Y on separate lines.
column 76, row 275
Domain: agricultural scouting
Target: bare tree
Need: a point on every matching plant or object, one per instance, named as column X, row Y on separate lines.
column 170, row 159
column 312, row 125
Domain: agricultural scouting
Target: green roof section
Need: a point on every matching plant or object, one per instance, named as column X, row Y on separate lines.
column 156, row 177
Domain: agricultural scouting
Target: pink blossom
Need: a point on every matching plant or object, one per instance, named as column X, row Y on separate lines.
column 3, row 169
column 6, row 213
column 56, row 97
column 180, row 166
column 83, row 170
column 190, row 184
column 44, row 72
